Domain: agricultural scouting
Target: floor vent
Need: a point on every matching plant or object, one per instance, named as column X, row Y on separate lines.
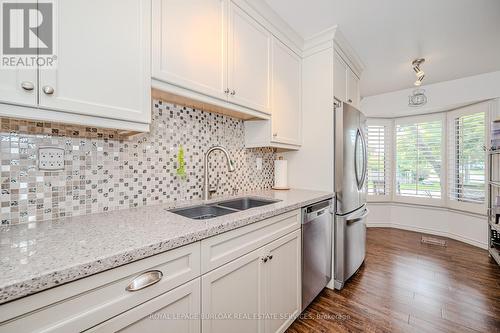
column 433, row 241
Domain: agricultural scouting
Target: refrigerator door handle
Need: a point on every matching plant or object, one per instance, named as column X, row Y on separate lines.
column 365, row 162
column 359, row 218
column 360, row 178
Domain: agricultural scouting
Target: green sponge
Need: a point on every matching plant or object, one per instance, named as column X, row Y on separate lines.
column 181, row 164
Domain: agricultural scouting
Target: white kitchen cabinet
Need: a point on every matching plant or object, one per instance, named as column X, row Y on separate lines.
column 346, row 82
column 284, row 130
column 103, row 60
column 268, row 279
column 286, row 95
column 340, row 78
column 221, row 249
column 85, row 303
column 176, row 311
column 352, row 89
column 102, row 74
column 249, row 55
column 252, row 273
column 212, row 52
column 283, row 282
column 235, row 293
column 189, row 44
column 18, row 86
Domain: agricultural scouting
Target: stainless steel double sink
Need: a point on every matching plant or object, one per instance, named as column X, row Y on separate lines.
column 204, row 212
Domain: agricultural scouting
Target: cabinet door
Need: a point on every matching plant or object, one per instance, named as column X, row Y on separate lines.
column 232, row 296
column 286, row 95
column 13, row 80
column 189, row 44
column 340, row 78
column 352, row 88
column 103, row 66
column 283, row 281
column 176, row 311
column 249, row 61
column 18, row 86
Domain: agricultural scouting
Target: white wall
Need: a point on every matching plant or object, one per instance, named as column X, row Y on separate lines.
column 441, row 96
column 462, row 226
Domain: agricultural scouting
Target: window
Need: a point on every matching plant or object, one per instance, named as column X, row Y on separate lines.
column 439, row 159
column 379, row 170
column 467, row 170
column 419, row 158
column 434, row 159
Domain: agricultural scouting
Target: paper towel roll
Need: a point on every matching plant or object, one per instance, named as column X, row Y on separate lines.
column 280, row 174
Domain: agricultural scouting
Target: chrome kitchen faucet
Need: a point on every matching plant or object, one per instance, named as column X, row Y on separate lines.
column 207, row 192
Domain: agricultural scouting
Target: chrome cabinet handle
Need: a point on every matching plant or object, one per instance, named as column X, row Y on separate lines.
column 226, row 91
column 270, row 257
column 48, row 90
column 233, row 92
column 350, row 100
column 144, row 280
column 265, row 259
column 27, row 85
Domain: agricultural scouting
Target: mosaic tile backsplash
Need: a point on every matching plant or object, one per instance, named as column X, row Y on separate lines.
column 104, row 171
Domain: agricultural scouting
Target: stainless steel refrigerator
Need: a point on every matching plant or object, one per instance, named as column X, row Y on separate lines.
column 351, row 163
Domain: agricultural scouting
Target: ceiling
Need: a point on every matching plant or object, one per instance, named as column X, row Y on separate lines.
column 458, row 38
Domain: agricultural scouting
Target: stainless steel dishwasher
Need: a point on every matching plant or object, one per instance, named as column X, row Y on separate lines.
column 316, row 249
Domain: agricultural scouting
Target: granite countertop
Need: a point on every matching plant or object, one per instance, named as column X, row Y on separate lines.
column 41, row 255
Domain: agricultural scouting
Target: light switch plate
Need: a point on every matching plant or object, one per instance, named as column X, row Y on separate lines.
column 259, row 163
column 50, row 158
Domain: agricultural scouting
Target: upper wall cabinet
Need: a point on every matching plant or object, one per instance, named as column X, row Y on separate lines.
column 249, row 57
column 285, row 127
column 286, row 93
column 102, row 71
column 213, row 52
column 189, row 44
column 346, row 82
column 18, row 86
column 340, row 70
column 352, row 88
column 102, row 75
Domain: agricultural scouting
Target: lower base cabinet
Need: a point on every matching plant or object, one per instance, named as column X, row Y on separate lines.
column 175, row 311
column 284, row 282
column 259, row 292
column 247, row 281
column 232, row 296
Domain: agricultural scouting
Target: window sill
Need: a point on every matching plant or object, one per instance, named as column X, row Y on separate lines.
column 435, row 207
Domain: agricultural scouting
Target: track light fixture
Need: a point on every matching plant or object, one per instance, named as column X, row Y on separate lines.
column 418, row 98
column 418, row 72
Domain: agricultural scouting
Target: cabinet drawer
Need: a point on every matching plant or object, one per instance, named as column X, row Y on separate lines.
column 82, row 304
column 221, row 249
column 175, row 311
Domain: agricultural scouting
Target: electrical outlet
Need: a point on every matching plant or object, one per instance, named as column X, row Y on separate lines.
column 50, row 158
column 259, row 163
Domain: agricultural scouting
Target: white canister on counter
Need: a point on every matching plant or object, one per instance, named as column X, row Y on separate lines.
column 280, row 174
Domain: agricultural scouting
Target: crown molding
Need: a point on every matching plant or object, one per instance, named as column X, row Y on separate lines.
column 266, row 16
column 333, row 37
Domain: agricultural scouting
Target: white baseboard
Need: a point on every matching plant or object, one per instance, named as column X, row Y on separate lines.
column 429, row 231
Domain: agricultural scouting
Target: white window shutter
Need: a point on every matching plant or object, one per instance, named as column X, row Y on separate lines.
column 466, row 156
column 379, row 163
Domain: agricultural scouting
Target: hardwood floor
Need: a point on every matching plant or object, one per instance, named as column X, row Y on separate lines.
column 407, row 286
